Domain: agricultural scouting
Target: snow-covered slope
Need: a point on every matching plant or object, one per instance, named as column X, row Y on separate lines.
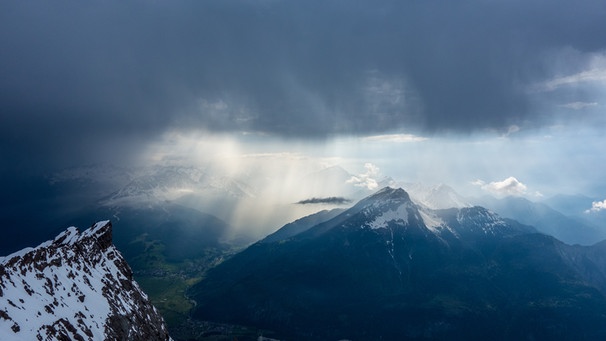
column 75, row 287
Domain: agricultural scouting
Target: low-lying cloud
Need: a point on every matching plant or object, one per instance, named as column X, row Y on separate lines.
column 368, row 179
column 329, row 200
column 597, row 206
column 509, row 186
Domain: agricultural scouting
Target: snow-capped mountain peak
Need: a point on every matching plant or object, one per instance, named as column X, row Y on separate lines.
column 386, row 197
column 75, row 287
column 392, row 209
column 387, row 208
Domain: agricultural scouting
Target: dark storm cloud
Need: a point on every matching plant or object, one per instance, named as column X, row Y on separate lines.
column 329, row 200
column 76, row 76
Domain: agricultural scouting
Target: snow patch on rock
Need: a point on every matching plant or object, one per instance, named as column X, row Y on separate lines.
column 398, row 216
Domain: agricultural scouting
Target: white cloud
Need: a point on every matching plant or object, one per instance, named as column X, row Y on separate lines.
column 597, row 206
column 593, row 75
column 509, row 186
column 512, row 129
column 367, row 179
column 398, row 138
column 478, row 182
column 579, row 105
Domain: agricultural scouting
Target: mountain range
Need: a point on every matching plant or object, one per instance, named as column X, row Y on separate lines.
column 391, row 269
column 569, row 229
column 401, row 241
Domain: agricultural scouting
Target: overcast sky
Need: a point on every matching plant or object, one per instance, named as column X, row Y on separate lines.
column 457, row 90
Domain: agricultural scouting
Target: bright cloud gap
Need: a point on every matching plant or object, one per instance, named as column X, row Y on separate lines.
column 397, row 138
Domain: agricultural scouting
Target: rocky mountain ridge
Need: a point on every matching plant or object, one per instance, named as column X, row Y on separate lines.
column 75, row 287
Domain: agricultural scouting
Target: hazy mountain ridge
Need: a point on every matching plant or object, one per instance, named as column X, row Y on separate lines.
column 184, row 232
column 439, row 196
column 546, row 219
column 579, row 207
column 388, row 268
column 77, row 287
column 173, row 182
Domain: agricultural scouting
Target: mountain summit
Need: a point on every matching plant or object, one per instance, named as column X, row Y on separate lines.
column 390, row 269
column 392, row 208
column 75, row 287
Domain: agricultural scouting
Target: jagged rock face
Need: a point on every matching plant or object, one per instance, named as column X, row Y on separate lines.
column 75, row 287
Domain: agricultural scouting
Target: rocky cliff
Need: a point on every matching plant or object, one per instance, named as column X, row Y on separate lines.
column 75, row 287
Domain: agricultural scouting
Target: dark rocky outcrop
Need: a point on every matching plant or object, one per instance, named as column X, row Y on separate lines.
column 75, row 287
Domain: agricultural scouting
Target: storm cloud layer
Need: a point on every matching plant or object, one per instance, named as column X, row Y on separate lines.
column 80, row 78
